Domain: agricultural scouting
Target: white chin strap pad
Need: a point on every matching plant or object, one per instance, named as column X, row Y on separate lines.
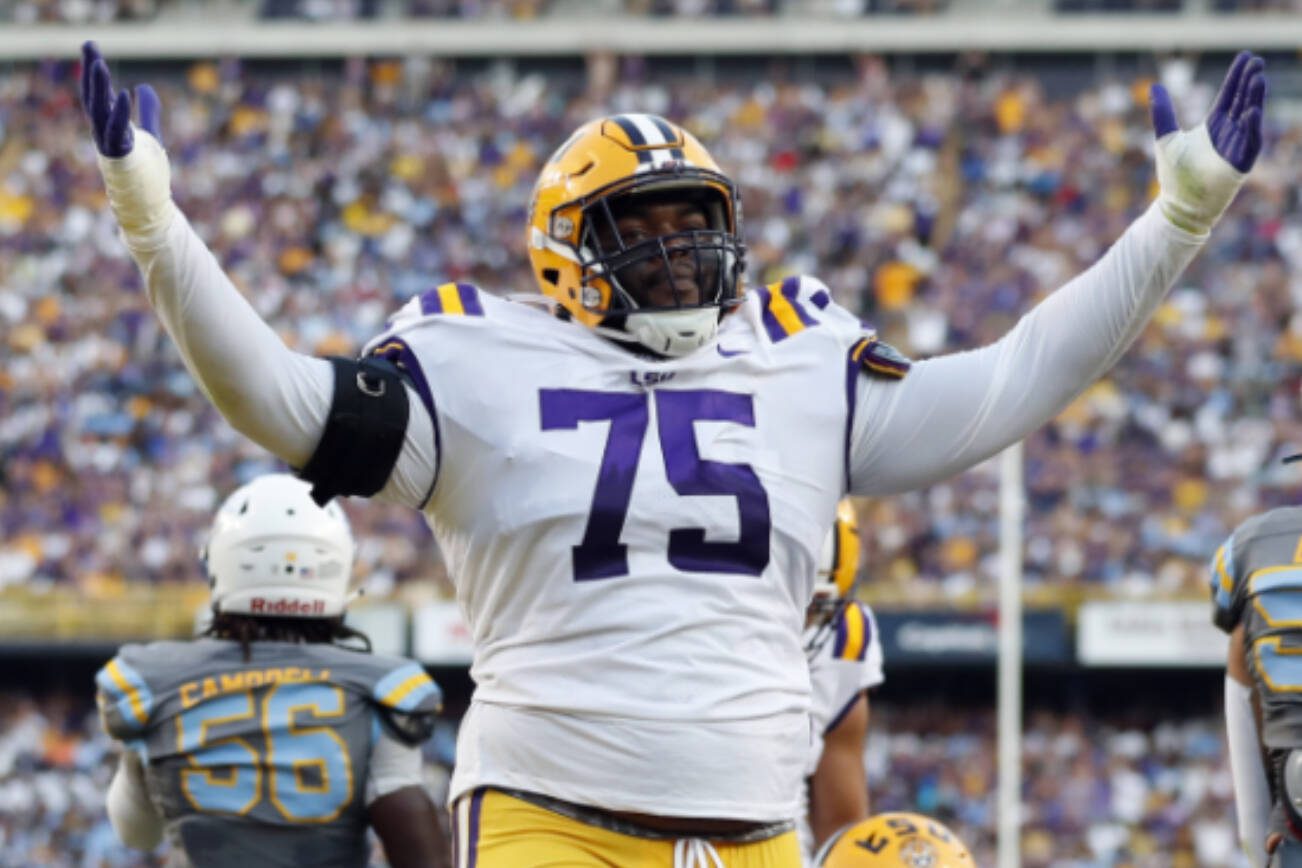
column 674, row 333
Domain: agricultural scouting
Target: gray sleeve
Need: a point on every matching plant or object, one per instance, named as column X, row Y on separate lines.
column 954, row 411
column 276, row 397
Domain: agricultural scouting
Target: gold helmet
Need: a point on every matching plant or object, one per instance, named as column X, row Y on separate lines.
column 894, row 841
column 838, row 571
column 605, row 281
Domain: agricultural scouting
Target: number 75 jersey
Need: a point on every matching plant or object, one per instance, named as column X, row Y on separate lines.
column 636, row 537
column 1256, row 582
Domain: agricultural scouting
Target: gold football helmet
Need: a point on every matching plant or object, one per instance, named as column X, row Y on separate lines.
column 894, row 841
column 838, row 573
column 602, row 279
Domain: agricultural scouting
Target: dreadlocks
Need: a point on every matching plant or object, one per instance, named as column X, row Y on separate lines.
column 247, row 629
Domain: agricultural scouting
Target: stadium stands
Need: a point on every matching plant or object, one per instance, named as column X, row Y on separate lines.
column 937, row 205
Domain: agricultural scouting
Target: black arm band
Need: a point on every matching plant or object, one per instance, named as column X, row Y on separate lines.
column 364, row 432
column 409, row 728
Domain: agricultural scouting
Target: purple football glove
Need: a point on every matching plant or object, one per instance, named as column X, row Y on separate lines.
column 1234, row 123
column 110, row 114
column 1200, row 170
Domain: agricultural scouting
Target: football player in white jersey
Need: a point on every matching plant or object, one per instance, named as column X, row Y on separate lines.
column 845, row 661
column 630, row 475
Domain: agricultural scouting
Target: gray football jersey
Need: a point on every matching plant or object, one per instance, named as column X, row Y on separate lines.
column 1256, row 579
column 261, row 762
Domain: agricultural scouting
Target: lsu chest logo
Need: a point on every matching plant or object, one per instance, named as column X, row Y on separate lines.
column 647, row 379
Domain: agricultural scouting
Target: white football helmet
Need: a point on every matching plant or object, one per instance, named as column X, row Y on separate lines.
column 274, row 553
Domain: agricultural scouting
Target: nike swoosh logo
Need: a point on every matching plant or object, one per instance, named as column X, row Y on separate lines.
column 728, row 354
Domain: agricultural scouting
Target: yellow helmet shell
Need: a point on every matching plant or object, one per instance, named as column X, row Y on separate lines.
column 840, row 561
column 897, row 840
column 605, row 158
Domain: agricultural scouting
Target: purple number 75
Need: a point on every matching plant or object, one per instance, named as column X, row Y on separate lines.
column 601, row 555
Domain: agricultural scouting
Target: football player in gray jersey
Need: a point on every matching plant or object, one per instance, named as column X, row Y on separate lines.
column 1256, row 580
column 264, row 742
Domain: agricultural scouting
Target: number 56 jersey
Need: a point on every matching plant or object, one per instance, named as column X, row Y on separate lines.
column 633, row 541
column 266, row 761
column 1256, row 579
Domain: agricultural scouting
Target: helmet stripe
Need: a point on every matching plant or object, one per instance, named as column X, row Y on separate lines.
column 635, row 136
column 668, row 133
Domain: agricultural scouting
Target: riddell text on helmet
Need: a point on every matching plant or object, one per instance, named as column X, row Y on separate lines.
column 263, row 606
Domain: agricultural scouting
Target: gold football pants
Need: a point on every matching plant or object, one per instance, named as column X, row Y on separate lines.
column 492, row 829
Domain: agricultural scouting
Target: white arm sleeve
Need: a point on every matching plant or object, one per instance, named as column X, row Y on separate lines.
column 394, row 765
column 278, row 398
column 1251, row 791
column 954, row 411
column 131, row 813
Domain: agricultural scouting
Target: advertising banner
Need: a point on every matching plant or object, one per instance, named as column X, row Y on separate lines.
column 439, row 636
column 945, row 638
column 1149, row 634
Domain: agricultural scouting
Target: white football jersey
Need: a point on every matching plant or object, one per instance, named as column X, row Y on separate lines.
column 840, row 670
column 632, row 541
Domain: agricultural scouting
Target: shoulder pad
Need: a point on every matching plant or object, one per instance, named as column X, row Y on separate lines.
column 785, row 306
column 854, row 632
column 407, row 688
column 124, row 698
column 878, row 359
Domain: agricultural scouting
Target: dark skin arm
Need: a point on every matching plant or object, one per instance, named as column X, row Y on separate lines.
column 838, row 790
column 409, row 830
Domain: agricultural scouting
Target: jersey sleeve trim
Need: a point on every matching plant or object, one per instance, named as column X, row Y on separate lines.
column 879, row 359
column 853, row 634
column 851, row 402
column 406, row 688
column 841, row 715
column 782, row 313
column 399, row 352
column 127, row 691
column 1223, row 572
column 452, row 299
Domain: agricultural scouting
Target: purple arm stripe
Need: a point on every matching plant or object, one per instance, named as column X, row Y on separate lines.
column 840, row 715
column 851, row 399
column 399, row 352
column 771, row 324
column 430, row 302
column 838, row 647
column 791, row 289
column 867, row 632
column 470, row 299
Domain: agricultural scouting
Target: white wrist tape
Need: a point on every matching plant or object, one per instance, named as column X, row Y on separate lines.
column 1197, row 183
column 139, row 188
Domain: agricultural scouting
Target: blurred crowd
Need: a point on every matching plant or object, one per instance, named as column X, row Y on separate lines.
column 124, row 11
column 104, row 11
column 1098, row 793
column 937, row 205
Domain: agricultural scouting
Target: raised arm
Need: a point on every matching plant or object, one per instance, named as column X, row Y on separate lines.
column 278, row 398
column 954, row 411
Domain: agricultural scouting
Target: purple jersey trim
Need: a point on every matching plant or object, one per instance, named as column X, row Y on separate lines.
column 399, row 352
column 841, row 715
